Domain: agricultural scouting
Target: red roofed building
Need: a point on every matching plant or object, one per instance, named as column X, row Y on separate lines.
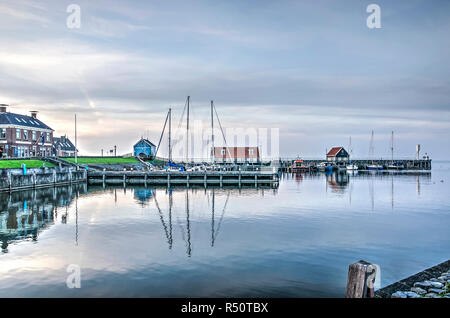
column 237, row 154
column 338, row 154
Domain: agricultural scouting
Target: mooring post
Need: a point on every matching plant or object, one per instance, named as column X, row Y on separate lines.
column 124, row 179
column 10, row 181
column 221, row 178
column 239, row 178
column 360, row 280
column 256, row 180
column 54, row 176
column 145, row 180
column 104, row 176
column 188, row 180
column 168, row 179
column 34, row 179
column 205, row 179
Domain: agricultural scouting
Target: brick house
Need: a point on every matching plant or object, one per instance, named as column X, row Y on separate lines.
column 23, row 136
column 63, row 147
column 237, row 154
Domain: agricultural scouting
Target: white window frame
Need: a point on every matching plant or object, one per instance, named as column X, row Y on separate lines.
column 18, row 133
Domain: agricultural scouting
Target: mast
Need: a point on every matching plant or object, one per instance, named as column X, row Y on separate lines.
column 76, row 152
column 371, row 147
column 350, row 146
column 187, row 130
column 170, row 133
column 392, row 147
column 212, row 132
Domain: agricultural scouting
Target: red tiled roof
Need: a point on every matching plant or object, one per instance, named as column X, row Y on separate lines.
column 334, row 151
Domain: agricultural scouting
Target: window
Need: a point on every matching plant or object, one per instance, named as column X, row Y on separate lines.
column 223, row 152
column 250, row 152
column 25, row 135
column 48, row 138
column 17, row 133
column 33, row 134
column 2, row 133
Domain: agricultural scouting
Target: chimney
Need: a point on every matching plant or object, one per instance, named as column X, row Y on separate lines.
column 3, row 108
column 34, row 113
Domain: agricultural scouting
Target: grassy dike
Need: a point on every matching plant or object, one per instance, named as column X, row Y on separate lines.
column 102, row 160
column 17, row 164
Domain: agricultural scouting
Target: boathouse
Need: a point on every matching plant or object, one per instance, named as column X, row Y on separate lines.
column 145, row 149
column 338, row 154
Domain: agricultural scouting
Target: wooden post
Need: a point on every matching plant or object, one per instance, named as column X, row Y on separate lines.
column 34, row 179
column 221, row 179
column 360, row 280
column 10, row 181
column 205, row 179
column 168, row 179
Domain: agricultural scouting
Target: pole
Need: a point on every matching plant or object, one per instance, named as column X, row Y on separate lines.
column 115, row 151
column 187, row 130
column 170, row 134
column 76, row 145
column 212, row 132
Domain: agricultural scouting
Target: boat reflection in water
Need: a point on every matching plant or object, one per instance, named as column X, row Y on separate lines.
column 221, row 242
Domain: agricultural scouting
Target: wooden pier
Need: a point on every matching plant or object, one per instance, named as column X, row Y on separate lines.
column 407, row 164
column 217, row 178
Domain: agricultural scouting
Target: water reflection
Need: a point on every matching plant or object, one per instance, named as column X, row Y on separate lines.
column 342, row 182
column 24, row 214
column 222, row 242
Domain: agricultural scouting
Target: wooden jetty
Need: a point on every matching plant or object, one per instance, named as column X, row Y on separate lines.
column 220, row 178
column 407, row 164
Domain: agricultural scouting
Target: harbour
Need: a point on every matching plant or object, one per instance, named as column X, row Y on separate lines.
column 259, row 241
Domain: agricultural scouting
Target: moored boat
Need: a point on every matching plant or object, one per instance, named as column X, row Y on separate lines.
column 374, row 167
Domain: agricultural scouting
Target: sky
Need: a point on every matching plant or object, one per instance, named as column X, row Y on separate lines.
column 312, row 69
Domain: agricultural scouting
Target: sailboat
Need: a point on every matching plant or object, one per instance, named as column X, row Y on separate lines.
column 394, row 165
column 373, row 166
column 351, row 166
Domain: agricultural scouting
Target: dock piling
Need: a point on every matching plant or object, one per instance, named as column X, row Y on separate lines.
column 360, row 280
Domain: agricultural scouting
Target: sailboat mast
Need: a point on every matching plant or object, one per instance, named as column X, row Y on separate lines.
column 392, row 147
column 212, row 132
column 371, row 147
column 187, row 130
column 170, row 135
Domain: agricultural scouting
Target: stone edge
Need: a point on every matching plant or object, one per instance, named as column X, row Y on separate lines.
column 407, row 283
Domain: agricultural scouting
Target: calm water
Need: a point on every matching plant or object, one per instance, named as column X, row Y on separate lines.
column 295, row 241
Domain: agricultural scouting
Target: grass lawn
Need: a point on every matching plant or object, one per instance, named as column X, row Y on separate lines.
column 102, row 160
column 13, row 164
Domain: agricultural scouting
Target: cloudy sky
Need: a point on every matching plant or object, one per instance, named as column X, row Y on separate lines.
column 313, row 69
